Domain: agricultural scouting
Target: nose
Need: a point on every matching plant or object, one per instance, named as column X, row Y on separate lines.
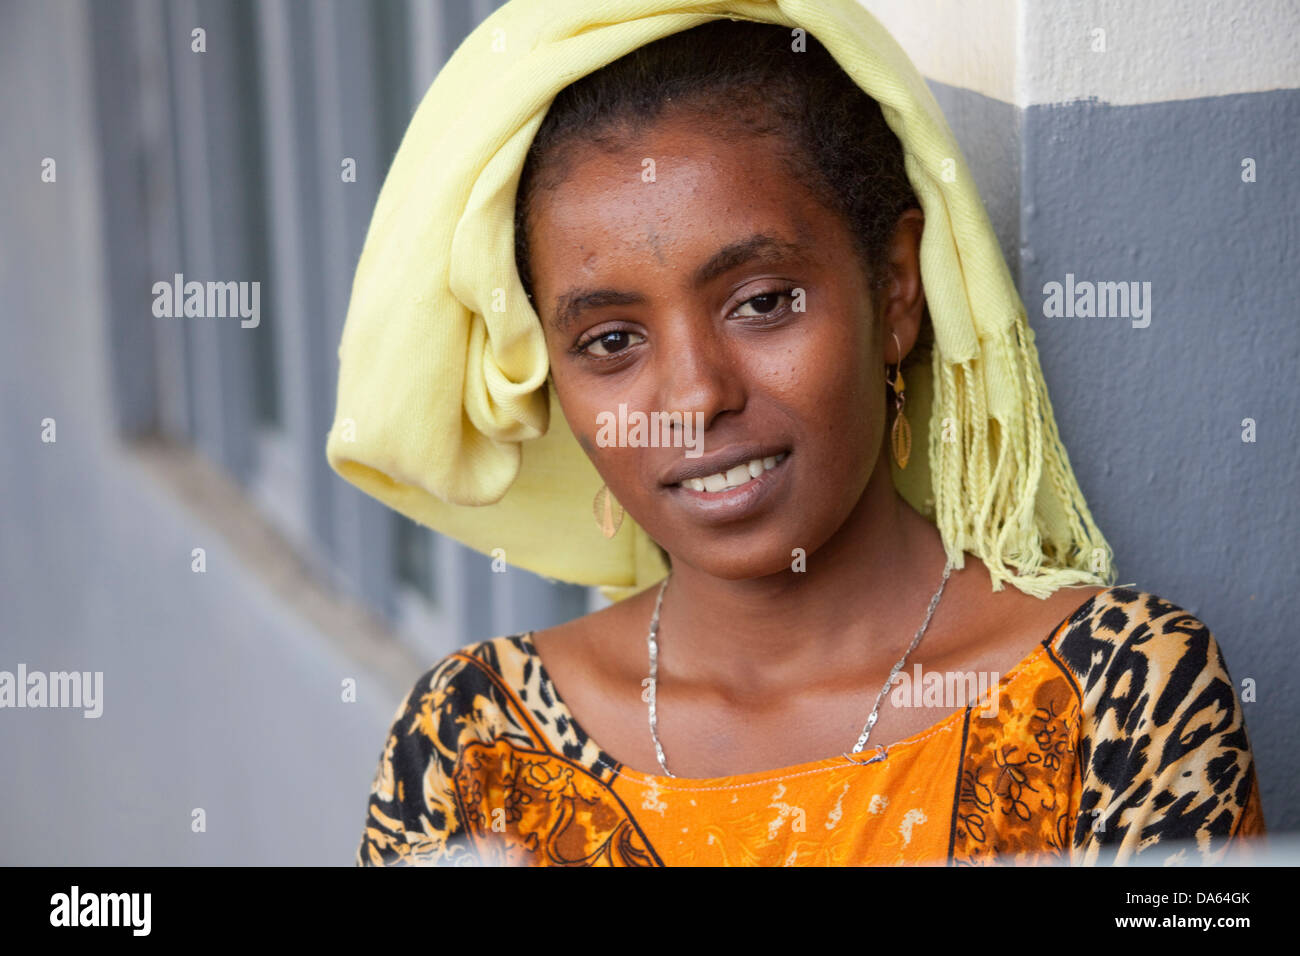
column 700, row 372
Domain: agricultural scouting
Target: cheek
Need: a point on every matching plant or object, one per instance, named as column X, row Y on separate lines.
column 829, row 379
column 843, row 408
column 581, row 420
column 569, row 398
column 580, row 408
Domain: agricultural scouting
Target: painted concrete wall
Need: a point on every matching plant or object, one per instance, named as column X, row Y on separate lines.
column 218, row 694
column 1108, row 140
column 221, row 693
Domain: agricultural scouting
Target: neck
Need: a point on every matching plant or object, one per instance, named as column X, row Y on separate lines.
column 861, row 597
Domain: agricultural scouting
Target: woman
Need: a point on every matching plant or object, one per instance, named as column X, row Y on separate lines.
column 719, row 231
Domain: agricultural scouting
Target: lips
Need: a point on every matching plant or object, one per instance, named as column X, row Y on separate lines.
column 722, row 461
column 736, row 477
column 772, row 488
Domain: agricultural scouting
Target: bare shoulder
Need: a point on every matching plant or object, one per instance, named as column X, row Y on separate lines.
column 589, row 654
column 1011, row 603
column 1061, row 604
column 1002, row 628
column 581, row 633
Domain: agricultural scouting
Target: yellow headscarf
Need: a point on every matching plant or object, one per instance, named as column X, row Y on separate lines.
column 444, row 412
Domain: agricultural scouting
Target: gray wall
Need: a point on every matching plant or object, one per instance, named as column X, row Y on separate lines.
column 222, row 690
column 1152, row 417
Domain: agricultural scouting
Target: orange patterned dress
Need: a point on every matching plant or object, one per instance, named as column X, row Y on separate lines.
column 1120, row 736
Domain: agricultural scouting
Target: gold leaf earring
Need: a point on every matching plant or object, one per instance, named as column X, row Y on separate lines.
column 609, row 513
column 900, row 436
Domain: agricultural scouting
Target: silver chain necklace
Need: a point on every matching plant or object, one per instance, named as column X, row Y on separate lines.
column 871, row 721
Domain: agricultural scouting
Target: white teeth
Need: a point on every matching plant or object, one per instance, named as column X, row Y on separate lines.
column 715, row 482
column 738, row 476
column 734, row 477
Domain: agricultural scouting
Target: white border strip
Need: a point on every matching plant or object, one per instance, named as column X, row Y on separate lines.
column 1031, row 52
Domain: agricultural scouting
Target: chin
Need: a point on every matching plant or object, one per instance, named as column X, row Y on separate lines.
column 754, row 564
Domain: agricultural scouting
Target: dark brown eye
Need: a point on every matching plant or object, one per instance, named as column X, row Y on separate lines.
column 764, row 304
column 611, row 343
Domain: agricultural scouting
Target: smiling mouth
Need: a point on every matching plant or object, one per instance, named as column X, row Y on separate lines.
column 736, row 477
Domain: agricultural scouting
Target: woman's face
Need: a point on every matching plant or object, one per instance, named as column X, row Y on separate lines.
column 670, row 287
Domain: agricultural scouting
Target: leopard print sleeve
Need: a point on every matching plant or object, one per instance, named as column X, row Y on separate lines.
column 411, row 818
column 1166, row 770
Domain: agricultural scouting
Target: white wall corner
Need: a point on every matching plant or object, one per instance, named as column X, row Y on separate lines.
column 967, row 45
column 1032, row 52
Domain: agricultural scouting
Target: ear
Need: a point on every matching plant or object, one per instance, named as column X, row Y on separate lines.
column 902, row 303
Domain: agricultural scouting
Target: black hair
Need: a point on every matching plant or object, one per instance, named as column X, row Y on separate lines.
column 748, row 76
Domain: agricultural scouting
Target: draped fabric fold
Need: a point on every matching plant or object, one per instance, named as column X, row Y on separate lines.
column 444, row 411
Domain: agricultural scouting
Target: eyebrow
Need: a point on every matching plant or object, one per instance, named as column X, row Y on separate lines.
column 570, row 306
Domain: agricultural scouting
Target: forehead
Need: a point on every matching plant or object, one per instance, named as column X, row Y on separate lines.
column 668, row 192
